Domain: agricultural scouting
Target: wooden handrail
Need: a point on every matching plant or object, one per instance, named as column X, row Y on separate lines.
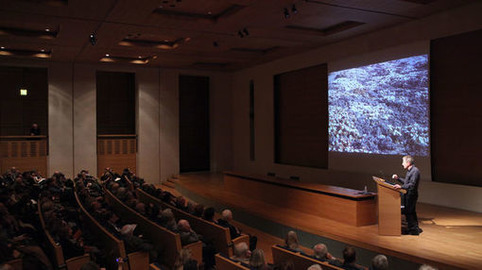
column 114, row 245
column 56, row 248
column 111, row 136
column 168, row 242
column 23, row 137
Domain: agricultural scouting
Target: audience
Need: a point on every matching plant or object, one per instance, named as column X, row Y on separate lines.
column 241, row 253
column 349, row 260
column 291, row 241
column 57, row 202
column 257, row 260
column 426, row 267
column 209, row 214
column 320, row 252
column 225, row 221
column 314, row 267
column 185, row 261
column 379, row 262
column 188, row 236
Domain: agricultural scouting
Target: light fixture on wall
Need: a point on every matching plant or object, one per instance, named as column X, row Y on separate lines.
column 286, row 13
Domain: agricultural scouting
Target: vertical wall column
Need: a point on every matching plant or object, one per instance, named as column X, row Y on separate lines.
column 169, row 123
column 148, row 121
column 60, row 119
column 85, row 135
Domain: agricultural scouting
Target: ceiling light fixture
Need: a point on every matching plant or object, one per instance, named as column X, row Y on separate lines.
column 293, row 9
column 92, row 39
column 286, row 13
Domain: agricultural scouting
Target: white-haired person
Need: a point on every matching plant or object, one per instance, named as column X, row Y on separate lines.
column 226, row 221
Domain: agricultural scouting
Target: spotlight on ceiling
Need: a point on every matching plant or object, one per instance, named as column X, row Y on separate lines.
column 293, row 9
column 245, row 31
column 286, row 13
column 92, row 39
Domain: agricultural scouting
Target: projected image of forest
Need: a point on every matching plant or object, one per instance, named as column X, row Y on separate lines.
column 380, row 108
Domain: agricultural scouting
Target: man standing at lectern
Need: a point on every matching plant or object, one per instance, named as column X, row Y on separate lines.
column 410, row 184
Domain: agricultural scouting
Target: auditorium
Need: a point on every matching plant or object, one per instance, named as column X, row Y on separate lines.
column 240, row 134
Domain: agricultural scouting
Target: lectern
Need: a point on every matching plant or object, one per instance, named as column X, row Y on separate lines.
column 389, row 212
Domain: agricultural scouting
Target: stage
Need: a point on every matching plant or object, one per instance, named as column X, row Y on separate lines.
column 451, row 238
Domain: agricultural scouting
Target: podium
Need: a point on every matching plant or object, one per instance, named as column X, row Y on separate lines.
column 389, row 211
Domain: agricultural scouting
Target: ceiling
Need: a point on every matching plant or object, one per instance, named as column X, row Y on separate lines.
column 200, row 34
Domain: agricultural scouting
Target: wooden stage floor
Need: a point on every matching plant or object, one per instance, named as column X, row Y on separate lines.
column 452, row 238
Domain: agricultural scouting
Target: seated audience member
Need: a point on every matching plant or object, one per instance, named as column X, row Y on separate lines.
column 185, row 261
column 90, row 265
column 168, row 221
column 209, row 214
column 427, row 267
column 134, row 243
column 180, row 203
column 349, row 260
column 284, row 265
column 225, row 221
column 379, row 262
column 188, row 236
column 198, row 210
column 241, row 253
column 291, row 241
column 320, row 252
column 257, row 260
column 315, row 267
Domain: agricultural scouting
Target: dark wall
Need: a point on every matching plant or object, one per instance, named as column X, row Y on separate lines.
column 456, row 114
column 194, row 133
column 116, row 103
column 301, row 117
column 18, row 113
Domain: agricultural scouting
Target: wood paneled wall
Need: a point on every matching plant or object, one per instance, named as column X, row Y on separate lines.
column 24, row 152
column 116, row 152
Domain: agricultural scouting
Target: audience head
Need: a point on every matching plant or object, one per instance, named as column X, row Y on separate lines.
column 90, row 266
column 128, row 230
column 184, row 258
column 6, row 266
column 257, row 259
column 180, row 201
column 167, row 213
column 209, row 213
column 241, row 250
column 198, row 210
column 427, row 267
column 227, row 215
column 183, row 225
column 285, row 265
column 291, row 240
column 141, row 208
column 315, row 267
column 380, row 262
column 349, row 254
column 320, row 251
